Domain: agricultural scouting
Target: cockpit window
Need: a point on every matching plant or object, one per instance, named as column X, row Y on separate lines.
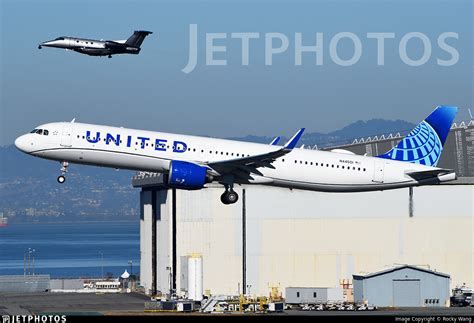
column 45, row 132
column 34, row 131
column 40, row 132
column 60, row 38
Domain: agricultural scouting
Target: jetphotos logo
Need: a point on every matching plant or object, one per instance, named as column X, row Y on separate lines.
column 33, row 319
column 414, row 48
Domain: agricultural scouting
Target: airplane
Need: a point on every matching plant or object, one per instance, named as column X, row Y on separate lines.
column 94, row 47
column 191, row 162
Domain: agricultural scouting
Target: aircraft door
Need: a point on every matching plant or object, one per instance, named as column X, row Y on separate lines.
column 66, row 136
column 379, row 168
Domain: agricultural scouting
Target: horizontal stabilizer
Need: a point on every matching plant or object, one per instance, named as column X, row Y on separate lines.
column 439, row 174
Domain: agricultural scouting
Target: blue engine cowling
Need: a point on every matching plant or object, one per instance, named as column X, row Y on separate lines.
column 186, row 175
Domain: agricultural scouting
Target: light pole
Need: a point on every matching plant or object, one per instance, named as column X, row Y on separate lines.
column 33, row 255
column 30, row 252
column 130, row 263
column 170, row 280
column 102, row 263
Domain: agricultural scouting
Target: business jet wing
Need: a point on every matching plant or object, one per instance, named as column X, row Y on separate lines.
column 242, row 167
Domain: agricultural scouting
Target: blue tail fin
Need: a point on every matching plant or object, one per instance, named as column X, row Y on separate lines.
column 424, row 144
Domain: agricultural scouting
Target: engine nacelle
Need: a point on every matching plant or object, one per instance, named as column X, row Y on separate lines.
column 186, row 175
column 113, row 45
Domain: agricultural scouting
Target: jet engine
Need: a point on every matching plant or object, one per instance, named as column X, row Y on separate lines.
column 113, row 45
column 185, row 175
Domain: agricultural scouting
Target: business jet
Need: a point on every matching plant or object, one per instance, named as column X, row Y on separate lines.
column 95, row 47
column 191, row 162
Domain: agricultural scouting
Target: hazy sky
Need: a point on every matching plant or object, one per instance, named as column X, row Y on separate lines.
column 150, row 91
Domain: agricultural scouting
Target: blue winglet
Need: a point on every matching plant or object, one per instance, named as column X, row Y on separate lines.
column 275, row 141
column 294, row 140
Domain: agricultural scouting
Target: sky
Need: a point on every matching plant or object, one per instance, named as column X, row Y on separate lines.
column 150, row 90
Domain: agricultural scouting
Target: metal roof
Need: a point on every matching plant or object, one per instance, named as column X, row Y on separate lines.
column 383, row 272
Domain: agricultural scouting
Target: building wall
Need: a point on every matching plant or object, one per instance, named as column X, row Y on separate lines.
column 24, row 284
column 299, row 238
column 67, row 284
column 378, row 290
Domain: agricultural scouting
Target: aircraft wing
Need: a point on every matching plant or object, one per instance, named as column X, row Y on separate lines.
column 243, row 167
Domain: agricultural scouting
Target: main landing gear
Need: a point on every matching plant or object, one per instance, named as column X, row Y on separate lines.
column 110, row 56
column 61, row 178
column 229, row 196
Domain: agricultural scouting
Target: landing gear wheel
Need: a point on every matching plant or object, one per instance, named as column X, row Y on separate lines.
column 61, row 178
column 110, row 56
column 229, row 197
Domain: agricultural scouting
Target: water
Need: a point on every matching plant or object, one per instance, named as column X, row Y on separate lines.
column 71, row 249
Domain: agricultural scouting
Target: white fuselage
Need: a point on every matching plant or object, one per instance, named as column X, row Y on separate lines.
column 142, row 150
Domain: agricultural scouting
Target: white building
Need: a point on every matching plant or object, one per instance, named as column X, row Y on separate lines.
column 299, row 238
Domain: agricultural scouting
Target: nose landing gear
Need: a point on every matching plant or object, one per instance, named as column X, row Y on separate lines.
column 61, row 178
column 229, row 196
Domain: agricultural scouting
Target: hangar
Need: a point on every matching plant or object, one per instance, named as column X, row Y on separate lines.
column 403, row 286
column 281, row 237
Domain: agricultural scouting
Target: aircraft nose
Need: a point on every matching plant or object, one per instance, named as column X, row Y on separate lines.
column 23, row 143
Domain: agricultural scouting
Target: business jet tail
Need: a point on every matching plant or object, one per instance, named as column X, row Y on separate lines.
column 424, row 144
column 137, row 38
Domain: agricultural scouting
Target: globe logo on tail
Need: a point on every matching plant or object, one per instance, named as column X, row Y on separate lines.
column 421, row 146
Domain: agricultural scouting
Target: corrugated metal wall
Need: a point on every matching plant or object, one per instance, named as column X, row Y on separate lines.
column 24, row 284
